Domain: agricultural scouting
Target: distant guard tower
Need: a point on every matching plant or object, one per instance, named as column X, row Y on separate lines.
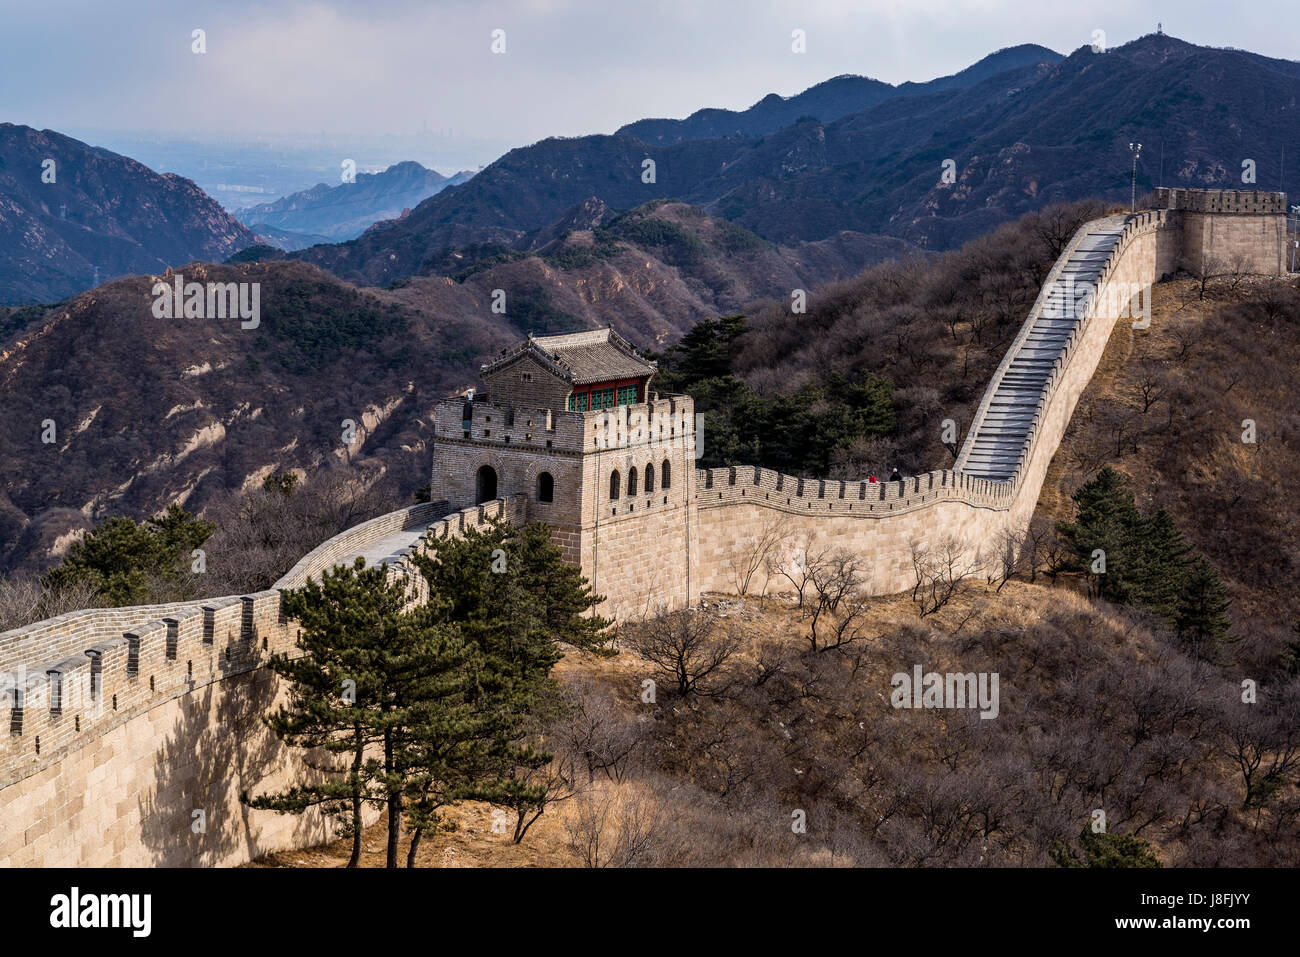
column 569, row 424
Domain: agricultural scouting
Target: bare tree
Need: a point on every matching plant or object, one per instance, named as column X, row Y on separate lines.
column 20, row 597
column 773, row 660
column 941, row 572
column 25, row 599
column 690, row 646
column 1236, row 270
column 1054, row 226
column 746, row 562
column 1151, row 381
column 1263, row 742
column 796, row 562
column 836, row 576
column 262, row 533
column 1205, row 269
column 596, row 734
column 832, row 629
column 1187, row 336
column 1011, row 555
column 615, row 827
column 1038, row 544
column 836, row 613
column 1275, row 298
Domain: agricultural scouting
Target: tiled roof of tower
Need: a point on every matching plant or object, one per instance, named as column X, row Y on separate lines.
column 581, row 357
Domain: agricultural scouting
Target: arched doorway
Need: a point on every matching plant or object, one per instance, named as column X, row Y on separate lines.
column 486, row 485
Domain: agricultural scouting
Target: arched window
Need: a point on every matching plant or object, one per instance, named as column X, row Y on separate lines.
column 614, row 484
column 665, row 476
column 649, row 479
column 631, row 481
column 486, row 485
column 545, row 487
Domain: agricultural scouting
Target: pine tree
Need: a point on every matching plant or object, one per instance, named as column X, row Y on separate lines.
column 1161, row 566
column 1201, row 615
column 515, row 602
column 134, row 564
column 513, row 593
column 1106, row 850
column 429, row 705
column 566, row 598
column 1107, row 519
column 335, row 684
column 433, row 726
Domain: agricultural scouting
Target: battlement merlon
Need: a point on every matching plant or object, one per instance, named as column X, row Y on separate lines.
column 660, row 419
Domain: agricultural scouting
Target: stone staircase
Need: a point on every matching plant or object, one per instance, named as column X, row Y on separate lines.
column 1002, row 434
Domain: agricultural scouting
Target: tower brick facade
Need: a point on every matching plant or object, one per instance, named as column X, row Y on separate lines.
column 615, row 484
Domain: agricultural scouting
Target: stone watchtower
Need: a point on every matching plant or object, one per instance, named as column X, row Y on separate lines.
column 569, row 426
column 1228, row 230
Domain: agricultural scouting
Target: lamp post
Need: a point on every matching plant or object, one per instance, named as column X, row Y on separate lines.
column 1136, row 150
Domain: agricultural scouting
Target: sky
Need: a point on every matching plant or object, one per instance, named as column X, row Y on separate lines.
column 570, row 67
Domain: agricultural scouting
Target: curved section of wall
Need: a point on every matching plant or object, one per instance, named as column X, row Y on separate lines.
column 125, row 722
column 746, row 511
column 1146, row 250
column 1135, row 260
column 355, row 539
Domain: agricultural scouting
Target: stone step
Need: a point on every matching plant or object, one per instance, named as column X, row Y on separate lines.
column 1002, row 436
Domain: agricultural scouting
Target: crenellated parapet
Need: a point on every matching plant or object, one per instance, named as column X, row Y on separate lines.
column 859, row 498
column 1227, row 202
column 67, row 680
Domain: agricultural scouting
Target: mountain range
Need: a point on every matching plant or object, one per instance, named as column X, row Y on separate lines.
column 346, row 210
column 571, row 229
column 928, row 164
column 1020, row 130
column 73, row 216
column 826, row 101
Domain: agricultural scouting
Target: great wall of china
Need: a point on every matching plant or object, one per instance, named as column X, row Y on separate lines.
column 133, row 731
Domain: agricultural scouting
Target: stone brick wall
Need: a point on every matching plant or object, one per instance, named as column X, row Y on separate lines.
column 636, row 550
column 327, row 554
column 544, row 389
column 741, row 508
column 641, row 550
column 123, row 722
column 518, row 445
column 1228, row 202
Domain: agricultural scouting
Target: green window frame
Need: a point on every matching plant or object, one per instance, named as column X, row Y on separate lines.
column 578, row 402
column 627, row 395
